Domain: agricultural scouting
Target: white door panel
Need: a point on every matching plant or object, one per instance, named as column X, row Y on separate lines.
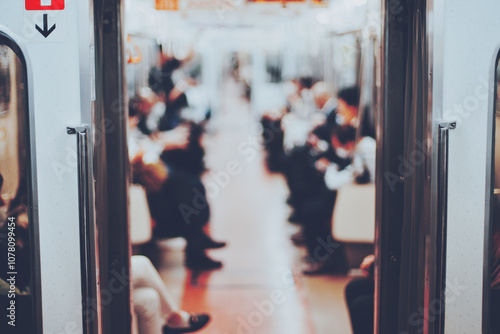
column 469, row 42
column 59, row 67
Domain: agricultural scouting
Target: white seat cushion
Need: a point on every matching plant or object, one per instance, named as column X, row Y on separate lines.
column 354, row 214
column 141, row 229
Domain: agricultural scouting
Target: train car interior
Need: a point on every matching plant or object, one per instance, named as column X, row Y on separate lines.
column 256, row 86
column 249, row 167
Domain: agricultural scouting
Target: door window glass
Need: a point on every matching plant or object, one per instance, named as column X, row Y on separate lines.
column 495, row 219
column 16, row 237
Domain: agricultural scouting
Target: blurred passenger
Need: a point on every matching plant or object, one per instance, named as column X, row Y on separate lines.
column 347, row 108
column 317, row 147
column 155, row 308
column 314, row 207
column 338, row 111
column 273, row 137
column 360, row 299
column 177, row 198
column 190, row 158
column 150, row 109
column 311, row 198
column 362, row 168
column 328, row 145
column 160, row 78
column 170, row 89
column 301, row 103
column 360, row 293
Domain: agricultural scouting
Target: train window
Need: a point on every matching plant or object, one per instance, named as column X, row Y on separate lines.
column 495, row 217
column 142, row 55
column 17, row 249
column 345, row 59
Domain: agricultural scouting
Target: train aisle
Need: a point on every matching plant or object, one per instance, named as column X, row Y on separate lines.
column 260, row 289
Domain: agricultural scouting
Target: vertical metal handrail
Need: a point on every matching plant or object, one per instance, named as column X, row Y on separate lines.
column 82, row 143
column 442, row 217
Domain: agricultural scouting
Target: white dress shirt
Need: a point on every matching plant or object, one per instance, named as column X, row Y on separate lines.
column 363, row 158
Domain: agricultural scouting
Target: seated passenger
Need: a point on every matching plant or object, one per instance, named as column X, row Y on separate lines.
column 312, row 201
column 150, row 111
column 338, row 111
column 189, row 159
column 170, row 88
column 360, row 299
column 319, row 141
column 155, row 309
column 313, row 205
column 362, row 168
column 177, row 199
column 273, row 138
column 151, row 108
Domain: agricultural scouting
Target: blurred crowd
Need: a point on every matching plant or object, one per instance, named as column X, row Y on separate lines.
column 320, row 143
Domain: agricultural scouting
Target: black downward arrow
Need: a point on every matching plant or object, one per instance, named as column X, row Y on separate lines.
column 45, row 31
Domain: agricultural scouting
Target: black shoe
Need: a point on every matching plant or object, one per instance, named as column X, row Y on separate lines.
column 298, row 239
column 212, row 244
column 197, row 322
column 203, row 241
column 201, row 262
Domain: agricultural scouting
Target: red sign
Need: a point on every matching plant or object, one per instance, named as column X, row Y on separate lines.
column 167, row 5
column 44, row 4
column 274, row 1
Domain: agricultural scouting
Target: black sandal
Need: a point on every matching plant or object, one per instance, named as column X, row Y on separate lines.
column 196, row 322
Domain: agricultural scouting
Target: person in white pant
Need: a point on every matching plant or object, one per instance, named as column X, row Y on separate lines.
column 155, row 308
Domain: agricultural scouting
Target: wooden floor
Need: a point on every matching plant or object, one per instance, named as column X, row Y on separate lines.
column 260, row 289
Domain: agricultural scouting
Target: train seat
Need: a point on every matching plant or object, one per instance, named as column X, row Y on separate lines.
column 353, row 221
column 141, row 227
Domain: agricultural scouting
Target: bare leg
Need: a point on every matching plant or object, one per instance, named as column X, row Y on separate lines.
column 147, row 308
column 143, row 275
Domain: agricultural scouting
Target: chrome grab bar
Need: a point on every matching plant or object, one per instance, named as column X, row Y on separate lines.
column 86, row 232
column 442, row 209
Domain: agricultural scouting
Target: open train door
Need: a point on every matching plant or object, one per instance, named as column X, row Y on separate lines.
column 51, row 160
column 436, row 166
